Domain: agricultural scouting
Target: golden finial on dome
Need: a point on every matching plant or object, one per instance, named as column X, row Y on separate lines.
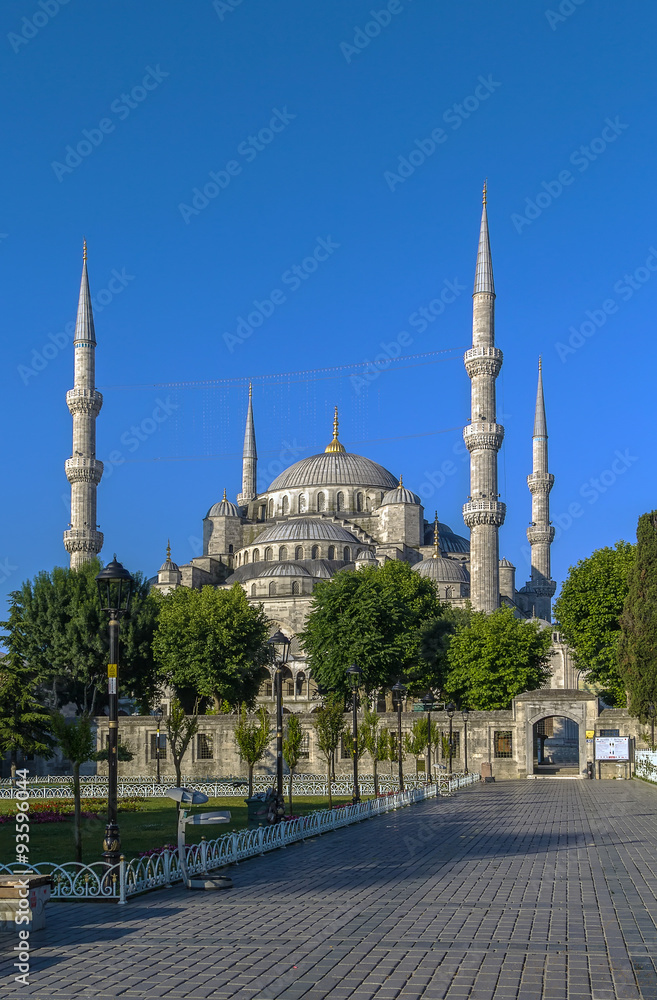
column 84, row 249
column 540, row 363
column 485, row 190
column 401, row 483
column 436, row 537
column 168, row 548
column 335, row 445
column 224, row 496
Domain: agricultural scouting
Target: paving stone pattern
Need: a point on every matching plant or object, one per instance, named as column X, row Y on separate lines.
column 531, row 890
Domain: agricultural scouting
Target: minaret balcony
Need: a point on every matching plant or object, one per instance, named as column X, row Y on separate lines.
column 483, row 361
column 484, row 512
column 482, row 435
column 538, row 534
column 83, row 470
column 83, row 540
column 540, row 482
column 87, row 401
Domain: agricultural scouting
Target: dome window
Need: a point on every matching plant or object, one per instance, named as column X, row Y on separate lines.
column 269, row 554
column 298, row 552
column 286, row 505
column 282, row 553
column 271, row 508
column 302, row 504
column 230, row 549
column 339, row 501
column 245, row 559
column 321, row 501
column 256, row 555
column 253, row 590
column 272, row 590
column 359, row 501
column 315, row 552
column 346, row 555
column 331, row 552
column 295, row 587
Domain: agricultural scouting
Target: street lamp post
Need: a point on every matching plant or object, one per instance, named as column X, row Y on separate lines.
column 354, row 673
column 115, row 590
column 158, row 716
column 398, row 692
column 281, row 645
column 451, row 709
column 428, row 701
column 465, row 716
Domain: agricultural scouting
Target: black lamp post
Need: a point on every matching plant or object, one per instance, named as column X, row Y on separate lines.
column 115, row 590
column 465, row 715
column 354, row 674
column 281, row 645
column 451, row 709
column 428, row 701
column 651, row 712
column 398, row 692
column 158, row 715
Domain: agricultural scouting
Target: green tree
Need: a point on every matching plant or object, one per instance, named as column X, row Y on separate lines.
column 252, row 739
column 373, row 618
column 637, row 645
column 587, row 613
column 292, row 743
column 494, row 658
column 181, row 729
column 417, row 741
column 435, row 636
column 329, row 725
column 377, row 742
column 212, row 643
column 77, row 743
column 56, row 622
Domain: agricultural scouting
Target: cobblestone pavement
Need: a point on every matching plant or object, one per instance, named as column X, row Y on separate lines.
column 532, row 890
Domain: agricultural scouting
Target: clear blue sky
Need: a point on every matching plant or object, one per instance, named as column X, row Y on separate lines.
column 164, row 94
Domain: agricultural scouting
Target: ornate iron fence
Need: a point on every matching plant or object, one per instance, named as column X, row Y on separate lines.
column 129, row 878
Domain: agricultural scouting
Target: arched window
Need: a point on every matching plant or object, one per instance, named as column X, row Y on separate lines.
column 368, row 504
column 295, row 586
column 339, row 501
column 268, row 554
column 256, row 555
column 449, row 592
column 282, row 553
column 302, row 504
column 359, row 501
column 346, row 555
column 272, row 589
column 246, row 558
column 321, row 501
column 331, row 552
column 230, row 548
column 286, row 505
column 315, row 552
column 271, row 508
column 253, row 590
column 263, row 511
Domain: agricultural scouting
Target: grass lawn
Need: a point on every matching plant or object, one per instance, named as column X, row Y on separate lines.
column 152, row 827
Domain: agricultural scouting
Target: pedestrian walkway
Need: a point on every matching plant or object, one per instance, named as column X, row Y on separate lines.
column 525, row 890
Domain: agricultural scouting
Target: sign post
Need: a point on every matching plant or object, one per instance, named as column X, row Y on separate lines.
column 616, row 748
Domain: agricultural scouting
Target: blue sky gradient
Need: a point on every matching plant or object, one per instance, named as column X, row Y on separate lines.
column 298, row 121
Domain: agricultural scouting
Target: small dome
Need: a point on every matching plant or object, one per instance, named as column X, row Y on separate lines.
column 365, row 556
column 223, row 509
column 449, row 541
column 304, row 529
column 400, row 495
column 505, row 563
column 285, row 569
column 442, row 570
column 168, row 566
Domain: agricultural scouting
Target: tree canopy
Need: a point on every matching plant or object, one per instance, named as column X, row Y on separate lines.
column 372, row 617
column 587, row 613
column 57, row 628
column 494, row 657
column 212, row 643
column 637, row 645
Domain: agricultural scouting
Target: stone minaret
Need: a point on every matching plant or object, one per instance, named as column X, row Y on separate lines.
column 83, row 470
column 249, row 458
column 483, row 513
column 541, row 587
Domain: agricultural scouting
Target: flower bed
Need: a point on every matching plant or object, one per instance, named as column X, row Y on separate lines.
column 61, row 810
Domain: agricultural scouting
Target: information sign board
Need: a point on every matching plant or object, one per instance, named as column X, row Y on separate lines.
column 612, row 748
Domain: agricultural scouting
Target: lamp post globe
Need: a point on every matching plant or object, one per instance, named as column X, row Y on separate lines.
column 114, row 591
column 451, row 711
column 398, row 693
column 428, row 702
column 281, row 650
column 354, row 674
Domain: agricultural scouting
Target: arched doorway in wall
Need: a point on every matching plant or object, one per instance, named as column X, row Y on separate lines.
column 556, row 747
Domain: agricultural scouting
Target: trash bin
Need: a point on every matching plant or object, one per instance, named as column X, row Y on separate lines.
column 590, row 772
column 256, row 809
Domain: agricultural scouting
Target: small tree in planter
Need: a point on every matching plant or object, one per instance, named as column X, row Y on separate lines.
column 329, row 723
column 377, row 743
column 76, row 741
column 252, row 739
column 181, row 729
column 292, row 748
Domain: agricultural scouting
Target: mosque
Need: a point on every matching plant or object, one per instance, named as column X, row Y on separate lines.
column 338, row 511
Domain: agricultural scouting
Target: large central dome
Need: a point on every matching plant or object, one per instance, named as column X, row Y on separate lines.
column 335, row 469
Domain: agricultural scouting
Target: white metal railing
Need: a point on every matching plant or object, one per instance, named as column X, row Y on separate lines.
column 645, row 764
column 129, row 878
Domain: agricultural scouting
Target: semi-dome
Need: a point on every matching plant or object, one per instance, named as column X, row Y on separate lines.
column 285, row 569
column 449, row 541
column 442, row 570
column 305, row 529
column 334, row 469
column 223, row 509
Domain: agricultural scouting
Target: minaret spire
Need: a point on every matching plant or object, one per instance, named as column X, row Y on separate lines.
column 484, row 513
column 249, row 457
column 83, row 470
column 335, row 445
column 540, row 588
column 436, row 538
